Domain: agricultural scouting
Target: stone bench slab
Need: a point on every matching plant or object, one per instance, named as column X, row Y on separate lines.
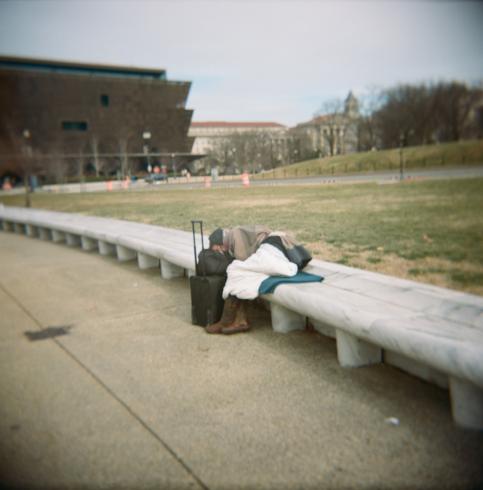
column 366, row 312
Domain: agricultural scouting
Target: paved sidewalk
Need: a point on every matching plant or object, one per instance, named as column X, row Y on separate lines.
column 129, row 394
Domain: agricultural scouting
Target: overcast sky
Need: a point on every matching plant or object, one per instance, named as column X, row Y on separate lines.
column 257, row 60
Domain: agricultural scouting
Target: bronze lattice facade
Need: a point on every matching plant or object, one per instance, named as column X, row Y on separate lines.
column 103, row 116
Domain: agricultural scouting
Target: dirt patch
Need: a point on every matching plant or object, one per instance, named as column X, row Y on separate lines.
column 428, row 270
column 254, row 203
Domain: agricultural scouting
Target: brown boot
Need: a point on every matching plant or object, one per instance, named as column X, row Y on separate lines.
column 240, row 324
column 228, row 316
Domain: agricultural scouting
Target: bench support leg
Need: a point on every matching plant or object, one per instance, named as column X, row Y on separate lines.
column 170, row 271
column 354, row 352
column 32, row 231
column 466, row 403
column 72, row 240
column 88, row 244
column 58, row 236
column 106, row 248
column 124, row 254
column 45, row 234
column 147, row 261
column 19, row 228
column 285, row 320
column 8, row 226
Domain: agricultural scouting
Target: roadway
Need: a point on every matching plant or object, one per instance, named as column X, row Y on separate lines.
column 376, row 177
column 386, row 177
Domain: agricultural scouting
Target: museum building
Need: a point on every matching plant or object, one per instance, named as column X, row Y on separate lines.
column 74, row 119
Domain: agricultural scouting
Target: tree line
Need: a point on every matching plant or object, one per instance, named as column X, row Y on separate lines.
column 421, row 114
column 404, row 115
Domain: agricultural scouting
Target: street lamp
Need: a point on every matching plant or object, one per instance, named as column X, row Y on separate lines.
column 146, row 151
column 234, row 160
column 173, row 164
column 271, row 153
column 401, row 158
column 26, row 176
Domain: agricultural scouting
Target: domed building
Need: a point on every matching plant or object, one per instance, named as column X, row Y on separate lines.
column 332, row 133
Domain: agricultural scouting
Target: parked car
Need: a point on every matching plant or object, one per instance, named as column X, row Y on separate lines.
column 155, row 178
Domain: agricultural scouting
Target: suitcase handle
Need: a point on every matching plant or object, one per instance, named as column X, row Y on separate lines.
column 193, row 222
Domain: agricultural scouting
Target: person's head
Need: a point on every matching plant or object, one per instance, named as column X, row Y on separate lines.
column 217, row 241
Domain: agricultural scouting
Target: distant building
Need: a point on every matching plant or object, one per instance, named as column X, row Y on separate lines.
column 77, row 118
column 238, row 145
column 329, row 134
column 207, row 135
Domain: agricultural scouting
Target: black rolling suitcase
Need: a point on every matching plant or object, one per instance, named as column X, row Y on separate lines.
column 206, row 291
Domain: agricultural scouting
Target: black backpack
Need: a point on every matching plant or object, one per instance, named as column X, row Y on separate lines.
column 297, row 254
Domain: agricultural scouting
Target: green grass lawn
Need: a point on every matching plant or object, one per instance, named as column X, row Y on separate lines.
column 429, row 231
column 420, row 157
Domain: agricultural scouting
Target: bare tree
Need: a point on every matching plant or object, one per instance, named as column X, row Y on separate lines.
column 454, row 103
column 56, row 168
column 123, row 153
column 95, row 154
column 421, row 114
column 251, row 150
column 368, row 134
column 330, row 117
column 407, row 114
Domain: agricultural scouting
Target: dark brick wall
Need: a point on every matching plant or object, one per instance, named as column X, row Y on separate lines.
column 114, row 111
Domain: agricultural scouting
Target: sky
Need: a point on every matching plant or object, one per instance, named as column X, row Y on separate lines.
column 258, row 60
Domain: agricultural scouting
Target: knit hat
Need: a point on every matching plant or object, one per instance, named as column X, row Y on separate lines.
column 216, row 238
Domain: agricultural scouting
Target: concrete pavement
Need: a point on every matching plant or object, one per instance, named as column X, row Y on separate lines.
column 133, row 396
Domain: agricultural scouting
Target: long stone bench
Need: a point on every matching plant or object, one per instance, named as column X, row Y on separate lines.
column 431, row 332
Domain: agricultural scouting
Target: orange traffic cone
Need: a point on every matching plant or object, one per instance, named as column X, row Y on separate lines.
column 245, row 179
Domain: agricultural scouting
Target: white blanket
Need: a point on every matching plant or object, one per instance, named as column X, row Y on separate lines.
column 245, row 277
